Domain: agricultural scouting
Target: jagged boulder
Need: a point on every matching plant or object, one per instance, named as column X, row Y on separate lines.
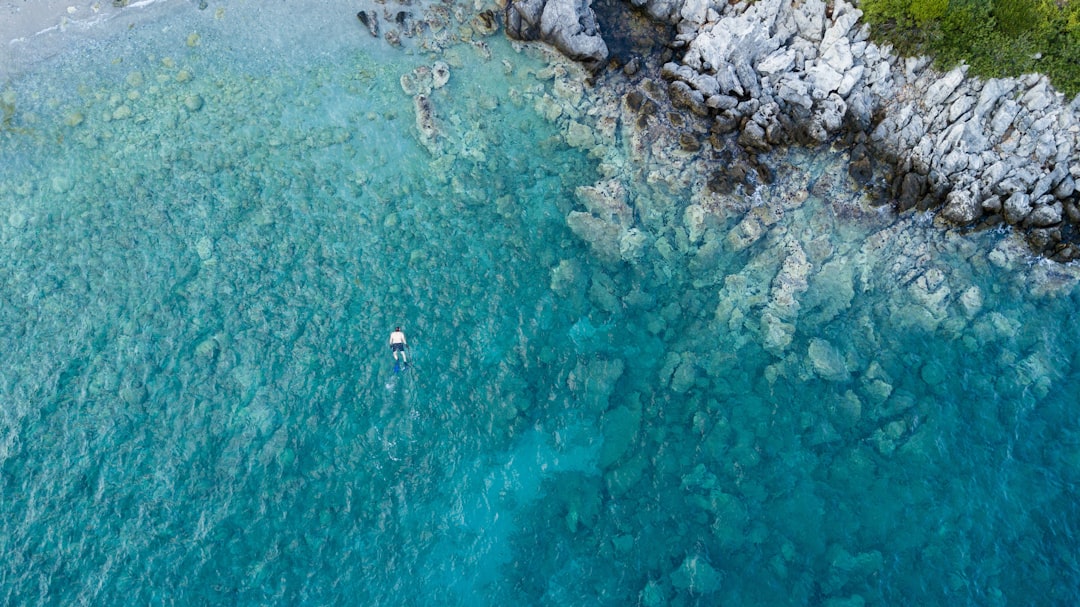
column 568, row 25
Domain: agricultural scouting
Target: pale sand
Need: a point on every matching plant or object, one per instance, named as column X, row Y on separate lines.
column 32, row 30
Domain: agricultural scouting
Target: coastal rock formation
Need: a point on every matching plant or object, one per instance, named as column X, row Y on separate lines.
column 568, row 25
column 775, row 72
column 954, row 143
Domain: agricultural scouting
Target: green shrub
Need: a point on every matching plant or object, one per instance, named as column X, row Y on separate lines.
column 995, row 37
column 881, row 11
column 890, row 21
column 1015, row 16
column 925, row 11
column 962, row 29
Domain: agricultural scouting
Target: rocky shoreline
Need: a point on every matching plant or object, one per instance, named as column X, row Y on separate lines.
column 774, row 73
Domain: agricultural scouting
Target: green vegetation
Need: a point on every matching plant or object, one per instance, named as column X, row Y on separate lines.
column 995, row 37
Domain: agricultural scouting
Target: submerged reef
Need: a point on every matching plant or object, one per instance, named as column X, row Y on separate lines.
column 978, row 153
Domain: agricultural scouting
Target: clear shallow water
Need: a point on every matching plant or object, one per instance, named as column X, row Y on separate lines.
column 199, row 406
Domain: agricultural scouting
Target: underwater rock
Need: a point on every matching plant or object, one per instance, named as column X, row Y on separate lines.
column 694, row 220
column 685, row 375
column 876, row 391
column 204, row 247
column 409, row 85
column 567, row 278
column 827, row 362
column 846, row 568
column 778, row 317
column 897, row 403
column 602, row 292
column 62, row 184
column 790, row 281
column 620, row 427
column 632, row 244
column 696, row 576
column 421, row 80
column 193, row 103
column 485, row 23
column 569, row 90
column 440, row 74
column 848, row 410
column 834, row 291
column 972, row 301
column 16, row 219
column 579, row 136
column 608, row 201
column 625, row 476
column 482, row 49
column 593, row 382
column 931, row 291
column 603, row 236
column 753, row 226
column 404, row 20
column 653, row 595
column 884, row 439
column 425, row 122
column 549, row 108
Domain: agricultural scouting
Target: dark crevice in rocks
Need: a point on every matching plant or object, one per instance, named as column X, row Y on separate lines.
column 630, row 33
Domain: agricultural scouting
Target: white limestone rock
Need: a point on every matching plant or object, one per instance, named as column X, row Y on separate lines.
column 938, row 92
column 568, row 25
column 571, row 26
column 962, row 207
column 1017, row 207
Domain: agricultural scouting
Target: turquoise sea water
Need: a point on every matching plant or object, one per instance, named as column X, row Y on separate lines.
column 204, row 244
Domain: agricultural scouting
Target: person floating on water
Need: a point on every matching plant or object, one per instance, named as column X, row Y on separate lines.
column 398, row 344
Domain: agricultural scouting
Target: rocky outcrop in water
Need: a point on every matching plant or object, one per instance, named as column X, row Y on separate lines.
column 568, row 25
column 979, row 153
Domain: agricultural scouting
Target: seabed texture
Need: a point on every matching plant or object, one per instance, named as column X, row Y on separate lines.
column 210, row 223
